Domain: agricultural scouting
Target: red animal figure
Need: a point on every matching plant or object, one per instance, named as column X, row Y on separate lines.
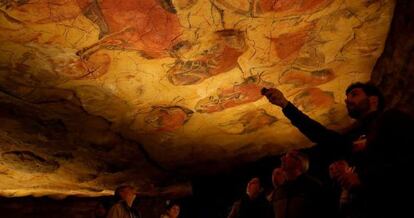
column 251, row 121
column 40, row 11
column 148, row 26
column 91, row 67
column 246, row 92
column 288, row 45
column 228, row 46
column 303, row 79
column 168, row 118
column 314, row 98
column 291, row 7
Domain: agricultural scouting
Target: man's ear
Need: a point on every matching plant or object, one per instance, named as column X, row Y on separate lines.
column 373, row 102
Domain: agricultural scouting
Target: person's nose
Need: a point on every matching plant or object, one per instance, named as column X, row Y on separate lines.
column 346, row 101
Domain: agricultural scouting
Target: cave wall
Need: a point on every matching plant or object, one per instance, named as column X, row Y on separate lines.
column 46, row 207
column 394, row 70
column 83, row 207
column 96, row 93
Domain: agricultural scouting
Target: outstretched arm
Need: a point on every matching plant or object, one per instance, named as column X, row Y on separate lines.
column 332, row 141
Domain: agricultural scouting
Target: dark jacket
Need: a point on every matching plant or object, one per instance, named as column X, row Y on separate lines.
column 382, row 167
column 251, row 208
column 122, row 210
column 298, row 198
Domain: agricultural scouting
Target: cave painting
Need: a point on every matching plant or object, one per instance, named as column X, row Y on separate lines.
column 250, row 121
column 168, row 118
column 142, row 25
column 246, row 92
column 61, row 67
column 280, row 7
column 90, row 67
column 29, row 162
column 288, row 45
column 40, row 11
column 117, row 67
column 314, row 98
column 243, row 7
column 95, row 65
column 226, row 47
column 301, row 79
column 291, row 7
column 43, row 66
column 183, row 4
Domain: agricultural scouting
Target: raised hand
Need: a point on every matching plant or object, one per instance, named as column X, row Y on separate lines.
column 275, row 96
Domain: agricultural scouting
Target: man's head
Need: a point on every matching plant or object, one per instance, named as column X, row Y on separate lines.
column 338, row 168
column 295, row 162
column 278, row 177
column 173, row 209
column 126, row 193
column 253, row 188
column 363, row 98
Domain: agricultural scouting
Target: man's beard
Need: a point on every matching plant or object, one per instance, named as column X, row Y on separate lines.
column 354, row 113
column 357, row 110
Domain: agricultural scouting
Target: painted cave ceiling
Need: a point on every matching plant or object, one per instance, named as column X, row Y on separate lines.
column 94, row 93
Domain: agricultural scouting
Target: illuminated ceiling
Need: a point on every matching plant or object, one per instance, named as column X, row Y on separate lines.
column 99, row 92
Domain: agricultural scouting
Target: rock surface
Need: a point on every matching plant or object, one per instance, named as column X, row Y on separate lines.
column 94, row 94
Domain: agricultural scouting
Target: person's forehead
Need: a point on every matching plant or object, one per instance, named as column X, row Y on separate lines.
column 128, row 188
column 356, row 90
column 278, row 171
column 333, row 167
column 340, row 163
column 293, row 154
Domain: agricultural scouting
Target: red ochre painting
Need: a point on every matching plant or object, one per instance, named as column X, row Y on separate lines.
column 186, row 75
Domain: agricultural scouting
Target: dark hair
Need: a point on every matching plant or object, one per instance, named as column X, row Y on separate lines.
column 118, row 191
column 370, row 90
column 302, row 157
column 170, row 203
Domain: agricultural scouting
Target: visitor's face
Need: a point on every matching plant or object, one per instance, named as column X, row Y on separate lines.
column 129, row 194
column 253, row 187
column 278, row 177
column 290, row 162
column 174, row 211
column 337, row 169
column 357, row 103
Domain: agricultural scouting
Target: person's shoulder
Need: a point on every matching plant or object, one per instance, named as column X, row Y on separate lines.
column 117, row 205
column 396, row 115
column 396, row 112
column 115, row 210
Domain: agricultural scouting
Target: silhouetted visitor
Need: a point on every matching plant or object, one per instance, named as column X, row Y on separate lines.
column 377, row 144
column 253, row 203
column 125, row 196
column 172, row 210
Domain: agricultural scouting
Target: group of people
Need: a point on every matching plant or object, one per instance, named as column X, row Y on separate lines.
column 367, row 166
column 295, row 193
column 125, row 196
column 361, row 173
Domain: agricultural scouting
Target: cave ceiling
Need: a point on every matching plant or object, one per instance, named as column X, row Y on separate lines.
column 94, row 93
